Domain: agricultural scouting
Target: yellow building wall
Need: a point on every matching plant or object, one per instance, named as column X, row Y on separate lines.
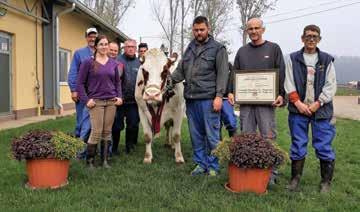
column 72, row 37
column 23, row 31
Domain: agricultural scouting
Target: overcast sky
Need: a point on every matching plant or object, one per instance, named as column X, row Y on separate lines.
column 340, row 27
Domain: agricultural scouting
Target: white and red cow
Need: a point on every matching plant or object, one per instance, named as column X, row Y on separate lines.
column 154, row 110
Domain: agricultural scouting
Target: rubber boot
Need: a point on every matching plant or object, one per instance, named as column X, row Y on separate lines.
column 90, row 157
column 105, row 154
column 327, row 171
column 297, row 167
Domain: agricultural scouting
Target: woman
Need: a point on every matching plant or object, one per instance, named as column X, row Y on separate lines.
column 99, row 87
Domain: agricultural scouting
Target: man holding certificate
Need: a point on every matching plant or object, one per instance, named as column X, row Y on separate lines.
column 255, row 60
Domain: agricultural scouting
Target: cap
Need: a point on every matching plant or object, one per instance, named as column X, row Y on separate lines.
column 91, row 30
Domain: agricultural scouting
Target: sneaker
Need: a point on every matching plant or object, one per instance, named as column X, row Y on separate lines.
column 197, row 171
column 213, row 173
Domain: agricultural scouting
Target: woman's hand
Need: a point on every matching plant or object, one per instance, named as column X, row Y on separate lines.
column 91, row 103
column 118, row 101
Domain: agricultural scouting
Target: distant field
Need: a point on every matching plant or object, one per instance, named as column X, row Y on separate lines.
column 343, row 91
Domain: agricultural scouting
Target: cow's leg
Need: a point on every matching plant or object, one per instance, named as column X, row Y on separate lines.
column 148, row 136
column 148, row 151
column 176, row 140
column 168, row 140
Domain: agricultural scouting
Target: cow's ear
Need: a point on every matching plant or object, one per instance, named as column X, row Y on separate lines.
column 142, row 60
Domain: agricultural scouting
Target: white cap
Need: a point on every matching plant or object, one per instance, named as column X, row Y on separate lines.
column 91, row 30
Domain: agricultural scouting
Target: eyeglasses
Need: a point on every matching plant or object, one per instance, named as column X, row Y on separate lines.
column 312, row 37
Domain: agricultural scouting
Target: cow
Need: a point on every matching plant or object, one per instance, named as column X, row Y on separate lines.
column 155, row 109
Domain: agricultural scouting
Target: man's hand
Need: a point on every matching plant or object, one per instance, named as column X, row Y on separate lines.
column 314, row 106
column 217, row 104
column 279, row 101
column 303, row 108
column 231, row 98
column 90, row 104
column 75, row 96
column 118, row 101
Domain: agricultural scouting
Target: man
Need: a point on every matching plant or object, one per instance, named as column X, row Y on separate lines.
column 311, row 85
column 113, row 54
column 228, row 117
column 82, row 128
column 129, row 109
column 256, row 55
column 143, row 47
column 204, row 68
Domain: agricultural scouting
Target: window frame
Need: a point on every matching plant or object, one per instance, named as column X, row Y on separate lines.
column 68, row 52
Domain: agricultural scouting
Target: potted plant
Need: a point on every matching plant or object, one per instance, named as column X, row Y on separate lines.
column 251, row 159
column 47, row 155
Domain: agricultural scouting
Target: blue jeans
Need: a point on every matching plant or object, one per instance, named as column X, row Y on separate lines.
column 228, row 117
column 83, row 125
column 204, row 126
column 323, row 133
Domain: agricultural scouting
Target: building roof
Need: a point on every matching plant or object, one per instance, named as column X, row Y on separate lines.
column 79, row 6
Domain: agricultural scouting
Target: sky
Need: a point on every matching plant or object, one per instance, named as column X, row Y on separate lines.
column 340, row 28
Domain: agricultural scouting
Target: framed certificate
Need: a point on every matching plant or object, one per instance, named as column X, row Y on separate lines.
column 256, row 86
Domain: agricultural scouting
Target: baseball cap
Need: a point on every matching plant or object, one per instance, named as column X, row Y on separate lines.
column 91, row 30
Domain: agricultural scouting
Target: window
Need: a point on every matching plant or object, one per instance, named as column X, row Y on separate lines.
column 64, row 65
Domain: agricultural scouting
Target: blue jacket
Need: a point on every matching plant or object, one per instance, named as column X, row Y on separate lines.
column 300, row 79
column 79, row 56
column 131, row 67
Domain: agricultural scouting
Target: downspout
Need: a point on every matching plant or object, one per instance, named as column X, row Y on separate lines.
column 37, row 86
column 56, row 56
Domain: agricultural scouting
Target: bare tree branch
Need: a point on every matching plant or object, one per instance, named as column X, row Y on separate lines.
column 251, row 9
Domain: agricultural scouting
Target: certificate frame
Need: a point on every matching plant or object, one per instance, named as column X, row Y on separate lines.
column 256, row 87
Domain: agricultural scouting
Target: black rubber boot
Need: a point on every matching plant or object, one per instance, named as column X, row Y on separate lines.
column 105, row 154
column 115, row 145
column 90, row 157
column 327, row 171
column 297, row 167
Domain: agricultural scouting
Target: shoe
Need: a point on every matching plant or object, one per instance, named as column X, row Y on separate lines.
column 213, row 173
column 198, row 171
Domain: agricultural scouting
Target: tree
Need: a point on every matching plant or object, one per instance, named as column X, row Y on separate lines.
column 110, row 10
column 252, row 9
column 170, row 29
column 218, row 14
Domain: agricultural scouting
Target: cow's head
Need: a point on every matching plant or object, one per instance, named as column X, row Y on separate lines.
column 155, row 69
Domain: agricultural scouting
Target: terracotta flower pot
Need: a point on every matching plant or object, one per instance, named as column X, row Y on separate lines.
column 247, row 180
column 47, row 173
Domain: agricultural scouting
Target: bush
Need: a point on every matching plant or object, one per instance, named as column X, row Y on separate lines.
column 38, row 144
column 250, row 151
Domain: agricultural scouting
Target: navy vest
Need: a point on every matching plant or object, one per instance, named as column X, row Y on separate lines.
column 300, row 79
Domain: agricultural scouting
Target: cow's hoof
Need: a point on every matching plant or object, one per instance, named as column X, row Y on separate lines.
column 147, row 160
column 180, row 160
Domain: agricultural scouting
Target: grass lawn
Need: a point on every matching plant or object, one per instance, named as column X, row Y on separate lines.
column 163, row 186
column 342, row 91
